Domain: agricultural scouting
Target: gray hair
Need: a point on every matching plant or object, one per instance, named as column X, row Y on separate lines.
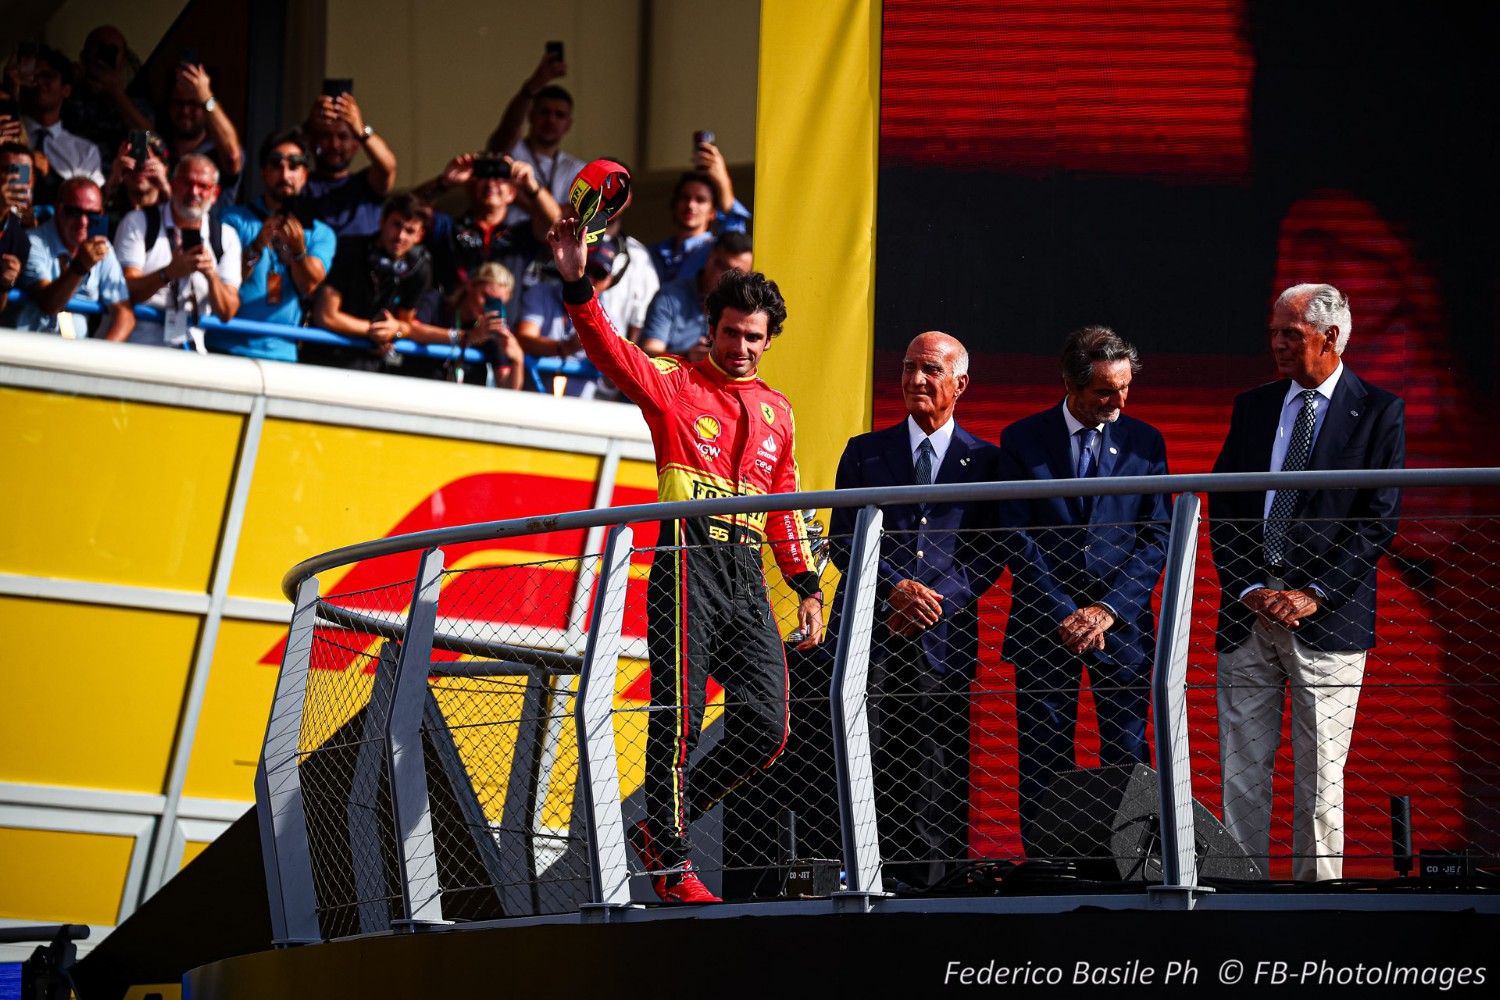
column 960, row 359
column 1090, row 345
column 1325, row 306
column 188, row 160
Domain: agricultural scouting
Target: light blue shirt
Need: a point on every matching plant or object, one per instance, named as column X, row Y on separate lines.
column 246, row 222
column 105, row 282
column 1289, row 413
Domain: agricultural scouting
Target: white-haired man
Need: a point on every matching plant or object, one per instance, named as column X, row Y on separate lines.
column 179, row 260
column 1297, row 568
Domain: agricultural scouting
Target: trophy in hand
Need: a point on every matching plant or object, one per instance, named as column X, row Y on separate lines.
column 817, row 544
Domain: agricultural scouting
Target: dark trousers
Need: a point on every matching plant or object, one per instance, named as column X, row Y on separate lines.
column 1047, row 693
column 919, row 736
column 708, row 613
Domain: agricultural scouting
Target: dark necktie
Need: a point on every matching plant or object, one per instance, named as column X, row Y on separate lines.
column 1086, row 464
column 924, row 467
column 1086, row 438
column 46, row 187
column 1297, row 451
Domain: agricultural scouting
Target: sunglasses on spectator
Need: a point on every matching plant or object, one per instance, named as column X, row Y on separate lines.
column 290, row 159
column 76, row 212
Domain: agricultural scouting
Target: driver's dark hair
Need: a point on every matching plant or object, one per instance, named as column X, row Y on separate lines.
column 749, row 292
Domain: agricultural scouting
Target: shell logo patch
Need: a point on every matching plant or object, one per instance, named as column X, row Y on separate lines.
column 768, row 413
column 707, row 427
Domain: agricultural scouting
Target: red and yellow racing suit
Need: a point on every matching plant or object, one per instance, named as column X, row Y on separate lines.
column 707, row 602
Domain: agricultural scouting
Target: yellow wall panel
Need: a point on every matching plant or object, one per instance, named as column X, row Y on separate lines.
column 116, row 491
column 236, row 705
column 56, row 876
column 636, row 474
column 191, row 850
column 318, row 487
column 102, row 712
column 820, row 104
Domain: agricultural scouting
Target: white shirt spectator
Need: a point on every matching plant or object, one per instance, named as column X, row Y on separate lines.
column 626, row 301
column 189, row 294
column 69, row 155
column 557, row 172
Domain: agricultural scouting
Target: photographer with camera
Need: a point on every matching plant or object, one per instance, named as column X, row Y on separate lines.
column 489, row 231
column 71, row 258
column 287, row 251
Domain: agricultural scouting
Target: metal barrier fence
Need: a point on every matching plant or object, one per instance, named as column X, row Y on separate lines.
column 537, row 369
column 482, row 741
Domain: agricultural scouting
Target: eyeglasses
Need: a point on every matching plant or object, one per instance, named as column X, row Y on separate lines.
column 76, row 212
column 290, row 159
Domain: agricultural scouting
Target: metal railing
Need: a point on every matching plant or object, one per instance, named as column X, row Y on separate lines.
column 470, row 742
column 536, row 368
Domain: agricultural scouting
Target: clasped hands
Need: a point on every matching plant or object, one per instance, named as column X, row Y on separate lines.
column 1286, row 608
column 1083, row 630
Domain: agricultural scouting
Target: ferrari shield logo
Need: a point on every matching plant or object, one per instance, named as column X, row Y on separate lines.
column 768, row 413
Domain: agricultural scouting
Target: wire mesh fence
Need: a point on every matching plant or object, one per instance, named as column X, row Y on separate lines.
column 1416, row 719
column 1001, row 717
column 344, row 779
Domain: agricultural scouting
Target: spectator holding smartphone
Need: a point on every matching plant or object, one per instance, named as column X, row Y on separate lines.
column 547, row 111
column 17, row 177
column 70, row 258
column 474, row 316
column 703, row 208
column 287, row 252
column 103, row 107
column 137, row 177
column 179, row 260
column 196, row 124
column 15, row 210
column 489, row 230
column 66, row 155
column 349, row 202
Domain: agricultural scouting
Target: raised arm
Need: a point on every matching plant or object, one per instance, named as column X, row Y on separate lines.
column 650, row 385
column 504, row 138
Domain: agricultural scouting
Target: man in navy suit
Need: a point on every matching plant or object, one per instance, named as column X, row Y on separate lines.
column 1297, row 567
column 936, row 561
column 1082, row 569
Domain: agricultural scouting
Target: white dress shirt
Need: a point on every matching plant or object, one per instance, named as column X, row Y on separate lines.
column 1075, row 442
column 940, row 439
column 69, row 155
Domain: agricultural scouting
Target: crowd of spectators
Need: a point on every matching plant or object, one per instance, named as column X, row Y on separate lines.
column 111, row 198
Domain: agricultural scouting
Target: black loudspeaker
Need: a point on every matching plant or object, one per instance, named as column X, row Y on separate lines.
column 1107, row 820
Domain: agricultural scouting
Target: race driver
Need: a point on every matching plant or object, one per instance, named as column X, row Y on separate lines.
column 718, row 431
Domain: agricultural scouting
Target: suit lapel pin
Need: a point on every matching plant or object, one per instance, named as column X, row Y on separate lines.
column 963, row 461
column 1113, row 450
column 1353, row 413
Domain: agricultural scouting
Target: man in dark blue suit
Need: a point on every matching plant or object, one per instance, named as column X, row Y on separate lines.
column 936, row 561
column 1082, row 569
column 1297, row 567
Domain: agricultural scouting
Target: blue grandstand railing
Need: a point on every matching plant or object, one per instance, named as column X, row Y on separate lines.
column 536, row 368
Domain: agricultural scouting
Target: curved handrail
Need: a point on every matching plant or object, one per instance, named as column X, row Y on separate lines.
column 1234, row 482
